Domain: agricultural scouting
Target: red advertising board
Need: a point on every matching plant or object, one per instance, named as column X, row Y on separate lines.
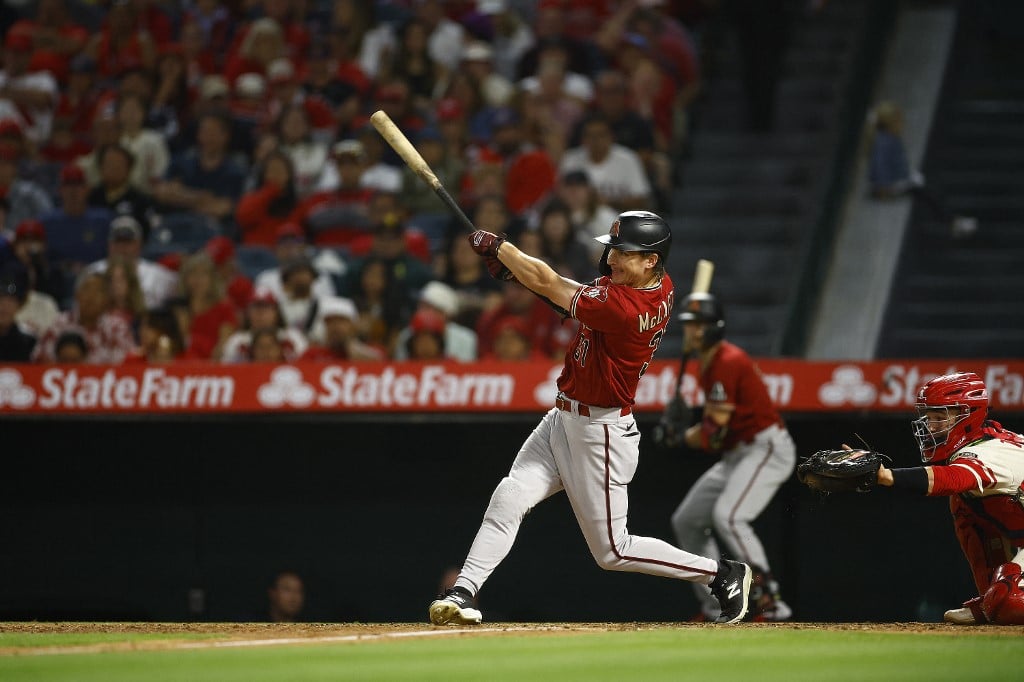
column 201, row 388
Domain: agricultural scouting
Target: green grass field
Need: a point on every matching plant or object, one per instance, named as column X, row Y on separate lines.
column 748, row 653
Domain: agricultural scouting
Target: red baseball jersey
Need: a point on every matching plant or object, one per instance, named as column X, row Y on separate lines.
column 732, row 379
column 620, row 328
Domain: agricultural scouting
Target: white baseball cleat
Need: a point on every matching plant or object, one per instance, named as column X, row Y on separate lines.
column 455, row 607
column 968, row 614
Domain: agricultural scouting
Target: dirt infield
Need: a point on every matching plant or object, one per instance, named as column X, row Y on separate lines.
column 230, row 635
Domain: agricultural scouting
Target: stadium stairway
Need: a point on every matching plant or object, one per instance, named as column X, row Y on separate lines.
column 748, row 200
column 963, row 298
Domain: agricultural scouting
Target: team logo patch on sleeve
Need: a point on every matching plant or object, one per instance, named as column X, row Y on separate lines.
column 717, row 393
column 597, row 293
column 962, row 455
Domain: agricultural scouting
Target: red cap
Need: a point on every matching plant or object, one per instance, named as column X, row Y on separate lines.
column 240, row 290
column 10, row 128
column 427, row 321
column 19, row 41
column 72, row 174
column 449, row 109
column 512, row 323
column 221, row 250
column 30, row 229
column 171, row 261
column 263, row 296
column 290, row 231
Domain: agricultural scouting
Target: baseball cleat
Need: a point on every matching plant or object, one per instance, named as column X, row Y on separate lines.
column 731, row 588
column 969, row 614
column 454, row 607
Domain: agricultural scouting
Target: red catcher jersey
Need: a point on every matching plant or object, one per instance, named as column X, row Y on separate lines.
column 620, row 328
column 733, row 380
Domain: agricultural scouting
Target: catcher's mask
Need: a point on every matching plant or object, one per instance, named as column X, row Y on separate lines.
column 960, row 402
column 636, row 231
column 706, row 310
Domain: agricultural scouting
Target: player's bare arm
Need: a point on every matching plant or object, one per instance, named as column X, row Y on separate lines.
column 537, row 276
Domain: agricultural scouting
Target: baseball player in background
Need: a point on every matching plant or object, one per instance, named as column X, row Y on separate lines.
column 588, row 443
column 979, row 465
column 740, row 424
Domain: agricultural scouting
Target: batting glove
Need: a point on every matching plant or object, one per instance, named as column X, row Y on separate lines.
column 486, row 243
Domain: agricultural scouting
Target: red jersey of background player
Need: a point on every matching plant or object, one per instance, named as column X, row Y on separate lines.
column 620, row 328
column 732, row 379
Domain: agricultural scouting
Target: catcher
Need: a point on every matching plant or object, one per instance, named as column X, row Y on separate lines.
column 974, row 461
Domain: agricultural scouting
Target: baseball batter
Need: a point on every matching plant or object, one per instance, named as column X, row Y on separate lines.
column 588, row 443
column 980, row 466
column 757, row 455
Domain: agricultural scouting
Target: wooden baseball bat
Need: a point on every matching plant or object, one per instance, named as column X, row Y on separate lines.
column 702, row 277
column 404, row 148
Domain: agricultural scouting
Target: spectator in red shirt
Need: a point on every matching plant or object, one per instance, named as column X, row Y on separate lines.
column 123, row 43
column 160, row 339
column 339, row 217
column 211, row 313
column 258, row 45
column 263, row 210
column 549, row 334
column 529, row 172
column 339, row 319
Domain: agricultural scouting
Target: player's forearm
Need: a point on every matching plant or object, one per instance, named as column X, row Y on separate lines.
column 913, row 479
column 538, row 276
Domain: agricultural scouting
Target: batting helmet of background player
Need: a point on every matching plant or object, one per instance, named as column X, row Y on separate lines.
column 704, row 309
column 964, row 400
column 636, row 231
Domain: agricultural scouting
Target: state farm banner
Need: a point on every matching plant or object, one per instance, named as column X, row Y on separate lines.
column 482, row 387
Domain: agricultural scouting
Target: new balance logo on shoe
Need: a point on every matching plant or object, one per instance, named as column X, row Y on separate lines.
column 733, row 591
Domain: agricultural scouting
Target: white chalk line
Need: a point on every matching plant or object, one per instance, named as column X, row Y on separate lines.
column 172, row 645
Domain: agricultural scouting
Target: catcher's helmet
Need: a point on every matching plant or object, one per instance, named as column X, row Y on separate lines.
column 705, row 309
column 964, row 399
column 636, row 231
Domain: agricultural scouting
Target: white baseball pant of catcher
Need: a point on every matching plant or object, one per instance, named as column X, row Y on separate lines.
column 729, row 496
column 593, row 459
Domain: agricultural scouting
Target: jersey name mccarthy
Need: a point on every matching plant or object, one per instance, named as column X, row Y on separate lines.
column 733, row 381
column 620, row 329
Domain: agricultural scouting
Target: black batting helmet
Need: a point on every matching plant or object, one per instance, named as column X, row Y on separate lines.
column 636, row 231
column 705, row 309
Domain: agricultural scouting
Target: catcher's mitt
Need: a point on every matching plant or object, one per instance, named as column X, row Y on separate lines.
column 840, row 471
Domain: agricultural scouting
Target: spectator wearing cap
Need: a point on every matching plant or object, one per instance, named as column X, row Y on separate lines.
column 615, row 171
column 263, row 313
column 78, row 99
column 115, row 190
column 148, row 148
column 289, row 245
column 205, row 180
column 589, row 213
column 338, row 85
column 76, row 232
column 438, row 298
column 453, row 126
column 52, row 30
column 299, row 303
column 512, row 341
column 211, row 314
column 337, row 217
column 264, row 209
column 426, row 336
column 394, row 242
column 43, row 285
column 28, row 96
column 256, row 46
column 548, row 335
column 108, row 335
column 26, row 199
column 122, row 43
column 285, row 89
column 336, row 335
column 159, row 284
column 478, row 61
column 16, row 344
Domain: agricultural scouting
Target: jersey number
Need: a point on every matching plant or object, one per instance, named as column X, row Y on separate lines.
column 655, row 342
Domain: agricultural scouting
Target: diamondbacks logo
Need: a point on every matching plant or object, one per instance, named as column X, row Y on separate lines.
column 599, row 294
column 717, row 393
column 614, row 232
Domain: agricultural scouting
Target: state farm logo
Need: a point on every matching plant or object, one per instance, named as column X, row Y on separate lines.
column 13, row 392
column 286, row 387
column 847, row 386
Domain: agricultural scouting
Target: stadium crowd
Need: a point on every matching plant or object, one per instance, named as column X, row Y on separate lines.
column 200, row 181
